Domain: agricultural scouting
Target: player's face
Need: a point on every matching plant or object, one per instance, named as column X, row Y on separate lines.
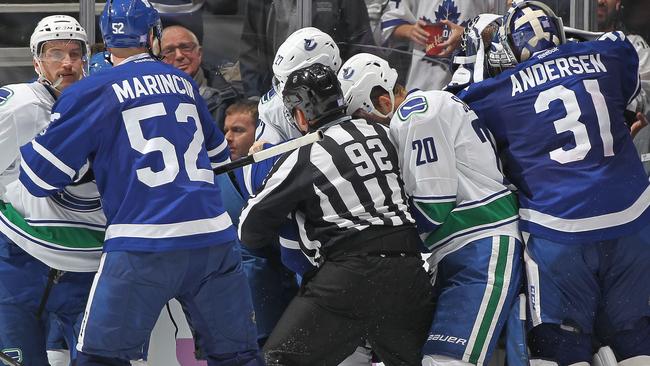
column 606, row 12
column 62, row 59
column 240, row 133
column 180, row 49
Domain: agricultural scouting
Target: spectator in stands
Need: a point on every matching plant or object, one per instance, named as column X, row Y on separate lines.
column 268, row 23
column 407, row 19
column 181, row 48
column 239, row 127
column 609, row 19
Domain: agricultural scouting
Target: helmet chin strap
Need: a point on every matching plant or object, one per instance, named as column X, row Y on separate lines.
column 392, row 107
column 44, row 80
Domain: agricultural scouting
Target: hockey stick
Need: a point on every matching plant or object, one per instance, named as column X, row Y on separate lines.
column 8, row 360
column 309, row 138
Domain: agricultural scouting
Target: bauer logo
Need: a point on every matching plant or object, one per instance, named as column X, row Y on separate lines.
column 447, row 339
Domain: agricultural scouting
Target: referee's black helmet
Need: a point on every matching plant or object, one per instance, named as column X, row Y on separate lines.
column 316, row 91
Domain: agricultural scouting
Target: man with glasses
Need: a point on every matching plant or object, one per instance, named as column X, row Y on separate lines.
column 180, row 47
column 43, row 237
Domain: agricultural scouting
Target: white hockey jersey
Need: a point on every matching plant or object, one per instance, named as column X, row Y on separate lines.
column 429, row 73
column 64, row 231
column 450, row 171
column 274, row 127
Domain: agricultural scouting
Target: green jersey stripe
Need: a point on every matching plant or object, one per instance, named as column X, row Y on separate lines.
column 503, row 209
column 63, row 236
column 495, row 295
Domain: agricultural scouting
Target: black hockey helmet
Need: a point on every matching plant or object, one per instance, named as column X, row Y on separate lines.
column 316, row 91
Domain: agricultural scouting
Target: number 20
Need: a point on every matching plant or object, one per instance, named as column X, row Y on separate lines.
column 426, row 146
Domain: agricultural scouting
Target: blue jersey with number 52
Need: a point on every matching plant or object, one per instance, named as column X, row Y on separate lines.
column 151, row 143
column 559, row 126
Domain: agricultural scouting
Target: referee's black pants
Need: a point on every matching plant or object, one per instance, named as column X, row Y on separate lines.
column 372, row 291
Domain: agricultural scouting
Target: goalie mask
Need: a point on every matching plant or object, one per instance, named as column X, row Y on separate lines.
column 528, row 27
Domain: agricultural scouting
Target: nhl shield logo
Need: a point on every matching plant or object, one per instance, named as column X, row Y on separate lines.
column 5, row 94
column 347, row 73
column 310, row 44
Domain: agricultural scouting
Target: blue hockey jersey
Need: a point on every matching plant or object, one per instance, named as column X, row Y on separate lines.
column 151, row 143
column 558, row 123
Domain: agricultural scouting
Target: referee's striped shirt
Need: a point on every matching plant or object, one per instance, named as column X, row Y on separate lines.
column 335, row 188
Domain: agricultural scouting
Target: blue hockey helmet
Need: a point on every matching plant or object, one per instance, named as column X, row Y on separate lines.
column 528, row 27
column 100, row 62
column 126, row 23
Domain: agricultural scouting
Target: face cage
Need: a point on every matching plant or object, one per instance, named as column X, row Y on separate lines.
column 502, row 56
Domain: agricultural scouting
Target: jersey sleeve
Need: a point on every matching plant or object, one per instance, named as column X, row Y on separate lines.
column 397, row 13
column 8, row 138
column 286, row 185
column 427, row 161
column 54, row 158
column 620, row 48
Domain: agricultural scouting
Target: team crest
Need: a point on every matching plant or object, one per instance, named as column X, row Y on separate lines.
column 5, row 94
column 347, row 73
column 310, row 44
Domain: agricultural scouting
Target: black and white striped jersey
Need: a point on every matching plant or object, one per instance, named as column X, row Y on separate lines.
column 335, row 188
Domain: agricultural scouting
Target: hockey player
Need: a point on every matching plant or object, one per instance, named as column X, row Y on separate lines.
column 151, row 143
column 302, row 48
column 556, row 112
column 461, row 204
column 42, row 237
column 347, row 196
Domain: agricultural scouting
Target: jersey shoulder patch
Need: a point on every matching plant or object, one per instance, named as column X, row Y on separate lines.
column 5, row 94
column 413, row 105
column 267, row 97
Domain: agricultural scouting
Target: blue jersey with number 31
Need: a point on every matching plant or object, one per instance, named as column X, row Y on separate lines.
column 151, row 143
column 559, row 126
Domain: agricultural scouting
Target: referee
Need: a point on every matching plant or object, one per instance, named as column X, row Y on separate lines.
column 347, row 197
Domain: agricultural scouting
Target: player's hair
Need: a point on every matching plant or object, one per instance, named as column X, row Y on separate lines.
column 243, row 106
column 378, row 91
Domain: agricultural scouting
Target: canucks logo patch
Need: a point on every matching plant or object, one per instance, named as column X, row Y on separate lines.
column 267, row 97
column 5, row 94
column 310, row 44
column 412, row 106
column 347, row 73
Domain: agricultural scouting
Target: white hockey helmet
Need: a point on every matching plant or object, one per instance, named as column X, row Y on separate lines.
column 304, row 47
column 359, row 75
column 55, row 27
